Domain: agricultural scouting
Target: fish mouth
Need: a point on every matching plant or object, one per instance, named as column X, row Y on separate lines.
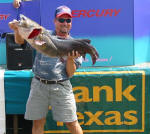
column 22, row 17
column 35, row 32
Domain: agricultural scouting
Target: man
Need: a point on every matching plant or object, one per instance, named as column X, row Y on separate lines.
column 16, row 3
column 51, row 85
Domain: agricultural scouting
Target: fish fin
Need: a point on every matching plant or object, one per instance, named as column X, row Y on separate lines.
column 39, row 42
column 94, row 56
column 50, row 39
column 83, row 40
column 94, row 59
column 62, row 59
column 84, row 56
column 34, row 33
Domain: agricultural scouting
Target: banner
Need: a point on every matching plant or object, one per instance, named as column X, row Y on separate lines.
column 109, row 101
column 2, row 104
column 115, row 28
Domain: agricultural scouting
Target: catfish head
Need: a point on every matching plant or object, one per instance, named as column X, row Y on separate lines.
column 28, row 29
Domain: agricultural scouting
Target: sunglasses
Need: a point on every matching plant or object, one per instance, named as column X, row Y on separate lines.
column 62, row 20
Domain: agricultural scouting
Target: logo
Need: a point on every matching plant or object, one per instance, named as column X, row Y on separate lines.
column 96, row 13
column 4, row 16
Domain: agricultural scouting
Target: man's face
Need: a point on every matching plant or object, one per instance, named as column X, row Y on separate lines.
column 63, row 24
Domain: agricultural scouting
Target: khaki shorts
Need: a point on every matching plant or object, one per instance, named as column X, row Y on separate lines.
column 59, row 96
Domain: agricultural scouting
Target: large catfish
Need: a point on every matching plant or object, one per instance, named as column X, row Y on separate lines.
column 40, row 39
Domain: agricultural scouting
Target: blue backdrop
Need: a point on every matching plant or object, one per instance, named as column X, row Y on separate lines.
column 109, row 24
column 111, row 33
column 141, row 31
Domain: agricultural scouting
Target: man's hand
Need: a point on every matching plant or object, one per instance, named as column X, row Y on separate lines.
column 71, row 66
column 13, row 25
column 16, row 3
column 73, row 55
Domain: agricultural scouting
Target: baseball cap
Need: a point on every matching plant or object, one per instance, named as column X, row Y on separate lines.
column 62, row 10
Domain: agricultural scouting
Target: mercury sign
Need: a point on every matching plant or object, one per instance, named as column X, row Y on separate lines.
column 4, row 16
column 95, row 12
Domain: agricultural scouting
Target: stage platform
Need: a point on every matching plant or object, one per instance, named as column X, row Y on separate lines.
column 109, row 99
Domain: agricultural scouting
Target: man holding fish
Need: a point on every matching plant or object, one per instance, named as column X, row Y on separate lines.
column 51, row 85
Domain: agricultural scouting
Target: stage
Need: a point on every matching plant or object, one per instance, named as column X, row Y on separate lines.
column 109, row 99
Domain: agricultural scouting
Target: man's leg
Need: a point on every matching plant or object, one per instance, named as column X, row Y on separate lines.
column 74, row 127
column 38, row 126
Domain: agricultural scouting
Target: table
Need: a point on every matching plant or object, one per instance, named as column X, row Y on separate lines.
column 113, row 99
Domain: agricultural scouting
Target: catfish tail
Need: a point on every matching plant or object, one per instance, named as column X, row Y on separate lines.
column 86, row 47
column 94, row 54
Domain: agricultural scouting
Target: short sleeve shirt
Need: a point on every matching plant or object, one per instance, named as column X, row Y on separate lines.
column 52, row 68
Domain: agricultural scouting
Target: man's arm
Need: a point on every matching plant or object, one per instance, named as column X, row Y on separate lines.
column 13, row 26
column 18, row 38
column 70, row 65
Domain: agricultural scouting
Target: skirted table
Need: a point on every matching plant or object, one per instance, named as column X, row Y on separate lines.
column 109, row 100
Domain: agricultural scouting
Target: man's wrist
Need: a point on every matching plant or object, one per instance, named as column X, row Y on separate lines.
column 70, row 59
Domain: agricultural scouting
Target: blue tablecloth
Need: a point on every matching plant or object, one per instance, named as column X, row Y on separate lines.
column 17, row 87
column 122, row 88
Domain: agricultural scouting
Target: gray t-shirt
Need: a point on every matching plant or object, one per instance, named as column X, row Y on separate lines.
column 52, row 68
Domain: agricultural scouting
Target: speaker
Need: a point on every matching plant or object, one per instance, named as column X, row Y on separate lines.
column 18, row 56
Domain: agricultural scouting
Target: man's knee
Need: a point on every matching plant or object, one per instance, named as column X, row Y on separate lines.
column 72, row 124
column 39, row 124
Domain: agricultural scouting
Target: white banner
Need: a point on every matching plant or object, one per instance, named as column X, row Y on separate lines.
column 2, row 104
